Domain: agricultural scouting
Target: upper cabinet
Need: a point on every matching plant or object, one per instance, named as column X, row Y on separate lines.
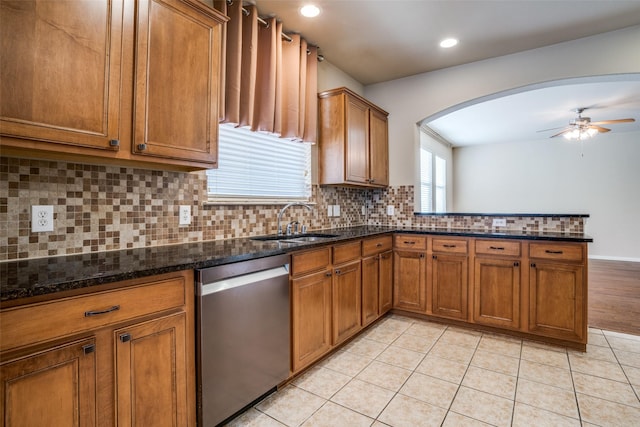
column 111, row 81
column 353, row 140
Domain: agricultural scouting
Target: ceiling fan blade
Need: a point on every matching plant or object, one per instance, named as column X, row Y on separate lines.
column 599, row 128
column 609, row 122
column 544, row 130
column 561, row 133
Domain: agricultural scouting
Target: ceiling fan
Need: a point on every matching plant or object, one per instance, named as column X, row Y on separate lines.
column 583, row 127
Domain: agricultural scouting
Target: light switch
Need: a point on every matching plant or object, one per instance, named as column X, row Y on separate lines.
column 336, row 210
column 390, row 210
column 499, row 222
column 329, row 211
column 185, row 215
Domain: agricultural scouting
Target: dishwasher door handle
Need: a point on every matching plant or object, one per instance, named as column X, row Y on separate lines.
column 246, row 279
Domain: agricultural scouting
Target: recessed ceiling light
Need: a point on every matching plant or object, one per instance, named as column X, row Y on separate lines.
column 450, row 42
column 310, row 10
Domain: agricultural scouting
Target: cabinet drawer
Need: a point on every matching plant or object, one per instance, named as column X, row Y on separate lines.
column 376, row 245
column 453, row 246
column 55, row 319
column 307, row 262
column 497, row 247
column 346, row 252
column 565, row 252
column 410, row 241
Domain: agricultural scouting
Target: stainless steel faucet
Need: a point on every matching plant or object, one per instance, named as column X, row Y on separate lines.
column 287, row 206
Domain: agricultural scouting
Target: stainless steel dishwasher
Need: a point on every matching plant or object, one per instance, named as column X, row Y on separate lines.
column 242, row 334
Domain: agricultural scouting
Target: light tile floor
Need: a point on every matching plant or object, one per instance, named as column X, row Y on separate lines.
column 408, row 372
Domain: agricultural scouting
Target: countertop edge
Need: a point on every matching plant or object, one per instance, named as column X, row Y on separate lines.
column 157, row 264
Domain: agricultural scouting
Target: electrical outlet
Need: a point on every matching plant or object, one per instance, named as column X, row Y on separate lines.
column 41, row 218
column 499, row 222
column 185, row 215
column 390, row 210
column 336, row 210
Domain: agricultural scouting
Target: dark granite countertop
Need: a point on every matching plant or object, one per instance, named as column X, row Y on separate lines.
column 47, row 276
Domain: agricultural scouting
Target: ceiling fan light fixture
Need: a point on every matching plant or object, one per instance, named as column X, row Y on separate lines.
column 310, row 11
column 580, row 133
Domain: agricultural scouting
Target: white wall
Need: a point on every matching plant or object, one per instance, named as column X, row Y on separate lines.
column 601, row 177
column 615, row 225
column 411, row 99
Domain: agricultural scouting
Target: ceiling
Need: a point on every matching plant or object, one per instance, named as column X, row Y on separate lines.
column 380, row 40
column 527, row 114
column 375, row 41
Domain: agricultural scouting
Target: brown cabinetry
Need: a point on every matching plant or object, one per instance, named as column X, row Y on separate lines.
column 558, row 291
column 311, row 306
column 88, row 82
column 497, row 282
column 410, row 273
column 449, row 279
column 353, row 141
column 55, row 387
column 113, row 357
column 377, row 278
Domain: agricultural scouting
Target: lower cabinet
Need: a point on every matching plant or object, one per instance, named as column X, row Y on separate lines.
column 377, row 278
column 55, row 387
column 123, row 356
column 385, row 282
column 496, row 292
column 346, row 308
column 311, row 306
column 449, row 286
column 557, row 300
column 409, row 279
column 151, row 375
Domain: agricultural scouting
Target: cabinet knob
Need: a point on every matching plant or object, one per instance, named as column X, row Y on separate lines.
column 88, row 348
column 434, row 256
column 125, row 337
column 338, row 272
column 533, row 265
column 142, row 147
column 421, row 255
column 328, row 274
column 114, row 143
column 516, row 264
column 372, row 180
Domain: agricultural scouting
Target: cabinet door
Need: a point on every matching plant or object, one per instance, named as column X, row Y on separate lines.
column 176, row 82
column 357, row 141
column 347, row 294
column 379, row 149
column 52, row 388
column 61, row 71
column 385, row 283
column 409, row 279
column 496, row 292
column 370, row 293
column 449, row 286
column 557, row 300
column 311, row 318
column 151, row 373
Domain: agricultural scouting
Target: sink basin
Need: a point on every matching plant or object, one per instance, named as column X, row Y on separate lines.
column 296, row 238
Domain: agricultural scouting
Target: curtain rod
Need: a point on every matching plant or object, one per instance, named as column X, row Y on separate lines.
column 266, row 24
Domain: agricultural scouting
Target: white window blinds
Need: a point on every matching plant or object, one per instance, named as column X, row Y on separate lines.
column 259, row 167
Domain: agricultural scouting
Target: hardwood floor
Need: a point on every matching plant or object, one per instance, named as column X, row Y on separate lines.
column 614, row 296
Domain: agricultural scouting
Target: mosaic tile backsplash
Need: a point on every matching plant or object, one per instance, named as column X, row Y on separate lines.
column 101, row 208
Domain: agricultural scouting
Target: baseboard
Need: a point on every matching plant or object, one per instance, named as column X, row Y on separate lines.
column 613, row 258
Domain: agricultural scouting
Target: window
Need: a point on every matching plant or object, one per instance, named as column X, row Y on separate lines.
column 259, row 167
column 433, row 175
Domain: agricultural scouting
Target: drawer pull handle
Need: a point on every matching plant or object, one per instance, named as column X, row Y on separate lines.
column 449, row 246
column 406, row 242
column 378, row 245
column 98, row 312
column 88, row 348
column 553, row 252
column 496, row 248
column 125, row 337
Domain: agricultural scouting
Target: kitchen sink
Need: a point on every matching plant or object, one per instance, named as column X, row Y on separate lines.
column 296, row 238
